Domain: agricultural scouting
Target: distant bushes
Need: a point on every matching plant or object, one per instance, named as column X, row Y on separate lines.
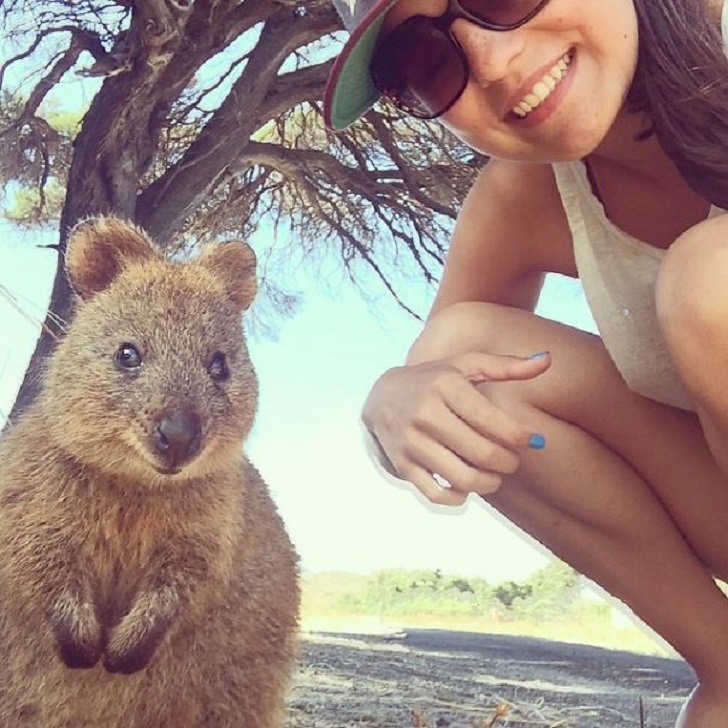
column 551, row 593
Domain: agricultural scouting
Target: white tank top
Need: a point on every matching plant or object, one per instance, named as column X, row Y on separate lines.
column 619, row 274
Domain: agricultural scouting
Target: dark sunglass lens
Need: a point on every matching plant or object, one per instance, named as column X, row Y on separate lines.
column 420, row 68
column 505, row 13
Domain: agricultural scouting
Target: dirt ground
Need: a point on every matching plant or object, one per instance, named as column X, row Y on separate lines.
column 444, row 679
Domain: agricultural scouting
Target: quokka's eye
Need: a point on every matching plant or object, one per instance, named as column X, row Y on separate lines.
column 128, row 357
column 218, row 367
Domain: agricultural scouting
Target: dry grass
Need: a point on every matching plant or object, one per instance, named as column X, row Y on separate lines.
column 503, row 710
column 419, row 720
column 505, row 714
column 351, row 678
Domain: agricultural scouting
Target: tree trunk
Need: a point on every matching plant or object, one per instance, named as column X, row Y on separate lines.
column 108, row 162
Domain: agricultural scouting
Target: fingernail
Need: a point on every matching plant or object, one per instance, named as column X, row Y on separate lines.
column 539, row 355
column 537, row 441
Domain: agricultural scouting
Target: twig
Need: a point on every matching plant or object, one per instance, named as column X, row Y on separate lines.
column 13, row 301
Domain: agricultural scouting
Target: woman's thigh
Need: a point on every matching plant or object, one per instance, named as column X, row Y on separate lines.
column 663, row 445
column 692, row 307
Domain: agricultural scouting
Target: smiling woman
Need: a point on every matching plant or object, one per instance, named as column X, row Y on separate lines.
column 607, row 125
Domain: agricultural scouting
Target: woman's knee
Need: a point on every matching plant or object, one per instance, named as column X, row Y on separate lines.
column 470, row 326
column 692, row 304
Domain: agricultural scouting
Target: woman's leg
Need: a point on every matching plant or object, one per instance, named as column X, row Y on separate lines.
column 626, row 490
column 692, row 301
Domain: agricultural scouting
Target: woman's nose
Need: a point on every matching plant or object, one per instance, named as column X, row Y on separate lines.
column 489, row 52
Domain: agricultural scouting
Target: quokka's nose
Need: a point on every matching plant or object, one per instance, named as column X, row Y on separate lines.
column 177, row 435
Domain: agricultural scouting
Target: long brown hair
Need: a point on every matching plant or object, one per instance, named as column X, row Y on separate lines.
column 681, row 83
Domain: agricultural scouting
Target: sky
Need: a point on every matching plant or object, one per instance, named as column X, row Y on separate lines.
column 307, row 442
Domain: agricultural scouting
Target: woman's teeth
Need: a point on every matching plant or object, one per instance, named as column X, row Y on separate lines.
column 543, row 88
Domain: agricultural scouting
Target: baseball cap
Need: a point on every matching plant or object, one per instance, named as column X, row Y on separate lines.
column 350, row 90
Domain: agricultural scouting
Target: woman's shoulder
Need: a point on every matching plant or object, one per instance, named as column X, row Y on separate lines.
column 521, row 202
column 516, row 179
column 511, row 230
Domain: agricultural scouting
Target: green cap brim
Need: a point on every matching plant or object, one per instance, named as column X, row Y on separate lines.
column 350, row 90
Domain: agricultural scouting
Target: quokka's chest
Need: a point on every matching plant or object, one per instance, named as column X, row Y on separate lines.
column 121, row 546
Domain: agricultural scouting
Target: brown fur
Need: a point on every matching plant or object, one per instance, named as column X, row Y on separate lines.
column 130, row 597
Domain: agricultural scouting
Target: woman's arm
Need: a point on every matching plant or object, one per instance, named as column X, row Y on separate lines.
column 511, row 229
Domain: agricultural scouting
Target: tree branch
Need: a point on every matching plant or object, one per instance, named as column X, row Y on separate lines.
column 293, row 88
column 409, row 173
column 300, row 163
column 164, row 206
column 49, row 81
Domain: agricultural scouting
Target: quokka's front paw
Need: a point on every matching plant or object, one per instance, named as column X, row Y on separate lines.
column 79, row 636
column 133, row 642
column 126, row 655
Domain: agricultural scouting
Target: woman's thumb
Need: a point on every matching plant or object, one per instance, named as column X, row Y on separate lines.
column 499, row 368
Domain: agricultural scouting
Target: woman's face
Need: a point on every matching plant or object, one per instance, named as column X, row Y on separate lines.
column 589, row 47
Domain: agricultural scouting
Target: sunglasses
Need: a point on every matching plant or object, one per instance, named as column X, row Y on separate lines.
column 421, row 67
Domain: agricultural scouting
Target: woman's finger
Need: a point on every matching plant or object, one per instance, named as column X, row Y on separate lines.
column 488, row 419
column 479, row 367
column 476, row 449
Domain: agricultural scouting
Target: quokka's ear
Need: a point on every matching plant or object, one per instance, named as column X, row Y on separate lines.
column 234, row 263
column 99, row 248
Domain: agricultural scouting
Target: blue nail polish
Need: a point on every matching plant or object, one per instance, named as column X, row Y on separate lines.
column 537, row 441
column 539, row 355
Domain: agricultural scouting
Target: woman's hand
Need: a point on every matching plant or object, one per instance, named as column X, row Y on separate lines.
column 441, row 433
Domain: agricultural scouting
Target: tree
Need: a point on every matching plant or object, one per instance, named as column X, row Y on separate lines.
column 204, row 123
column 397, row 591
column 552, row 592
column 509, row 593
